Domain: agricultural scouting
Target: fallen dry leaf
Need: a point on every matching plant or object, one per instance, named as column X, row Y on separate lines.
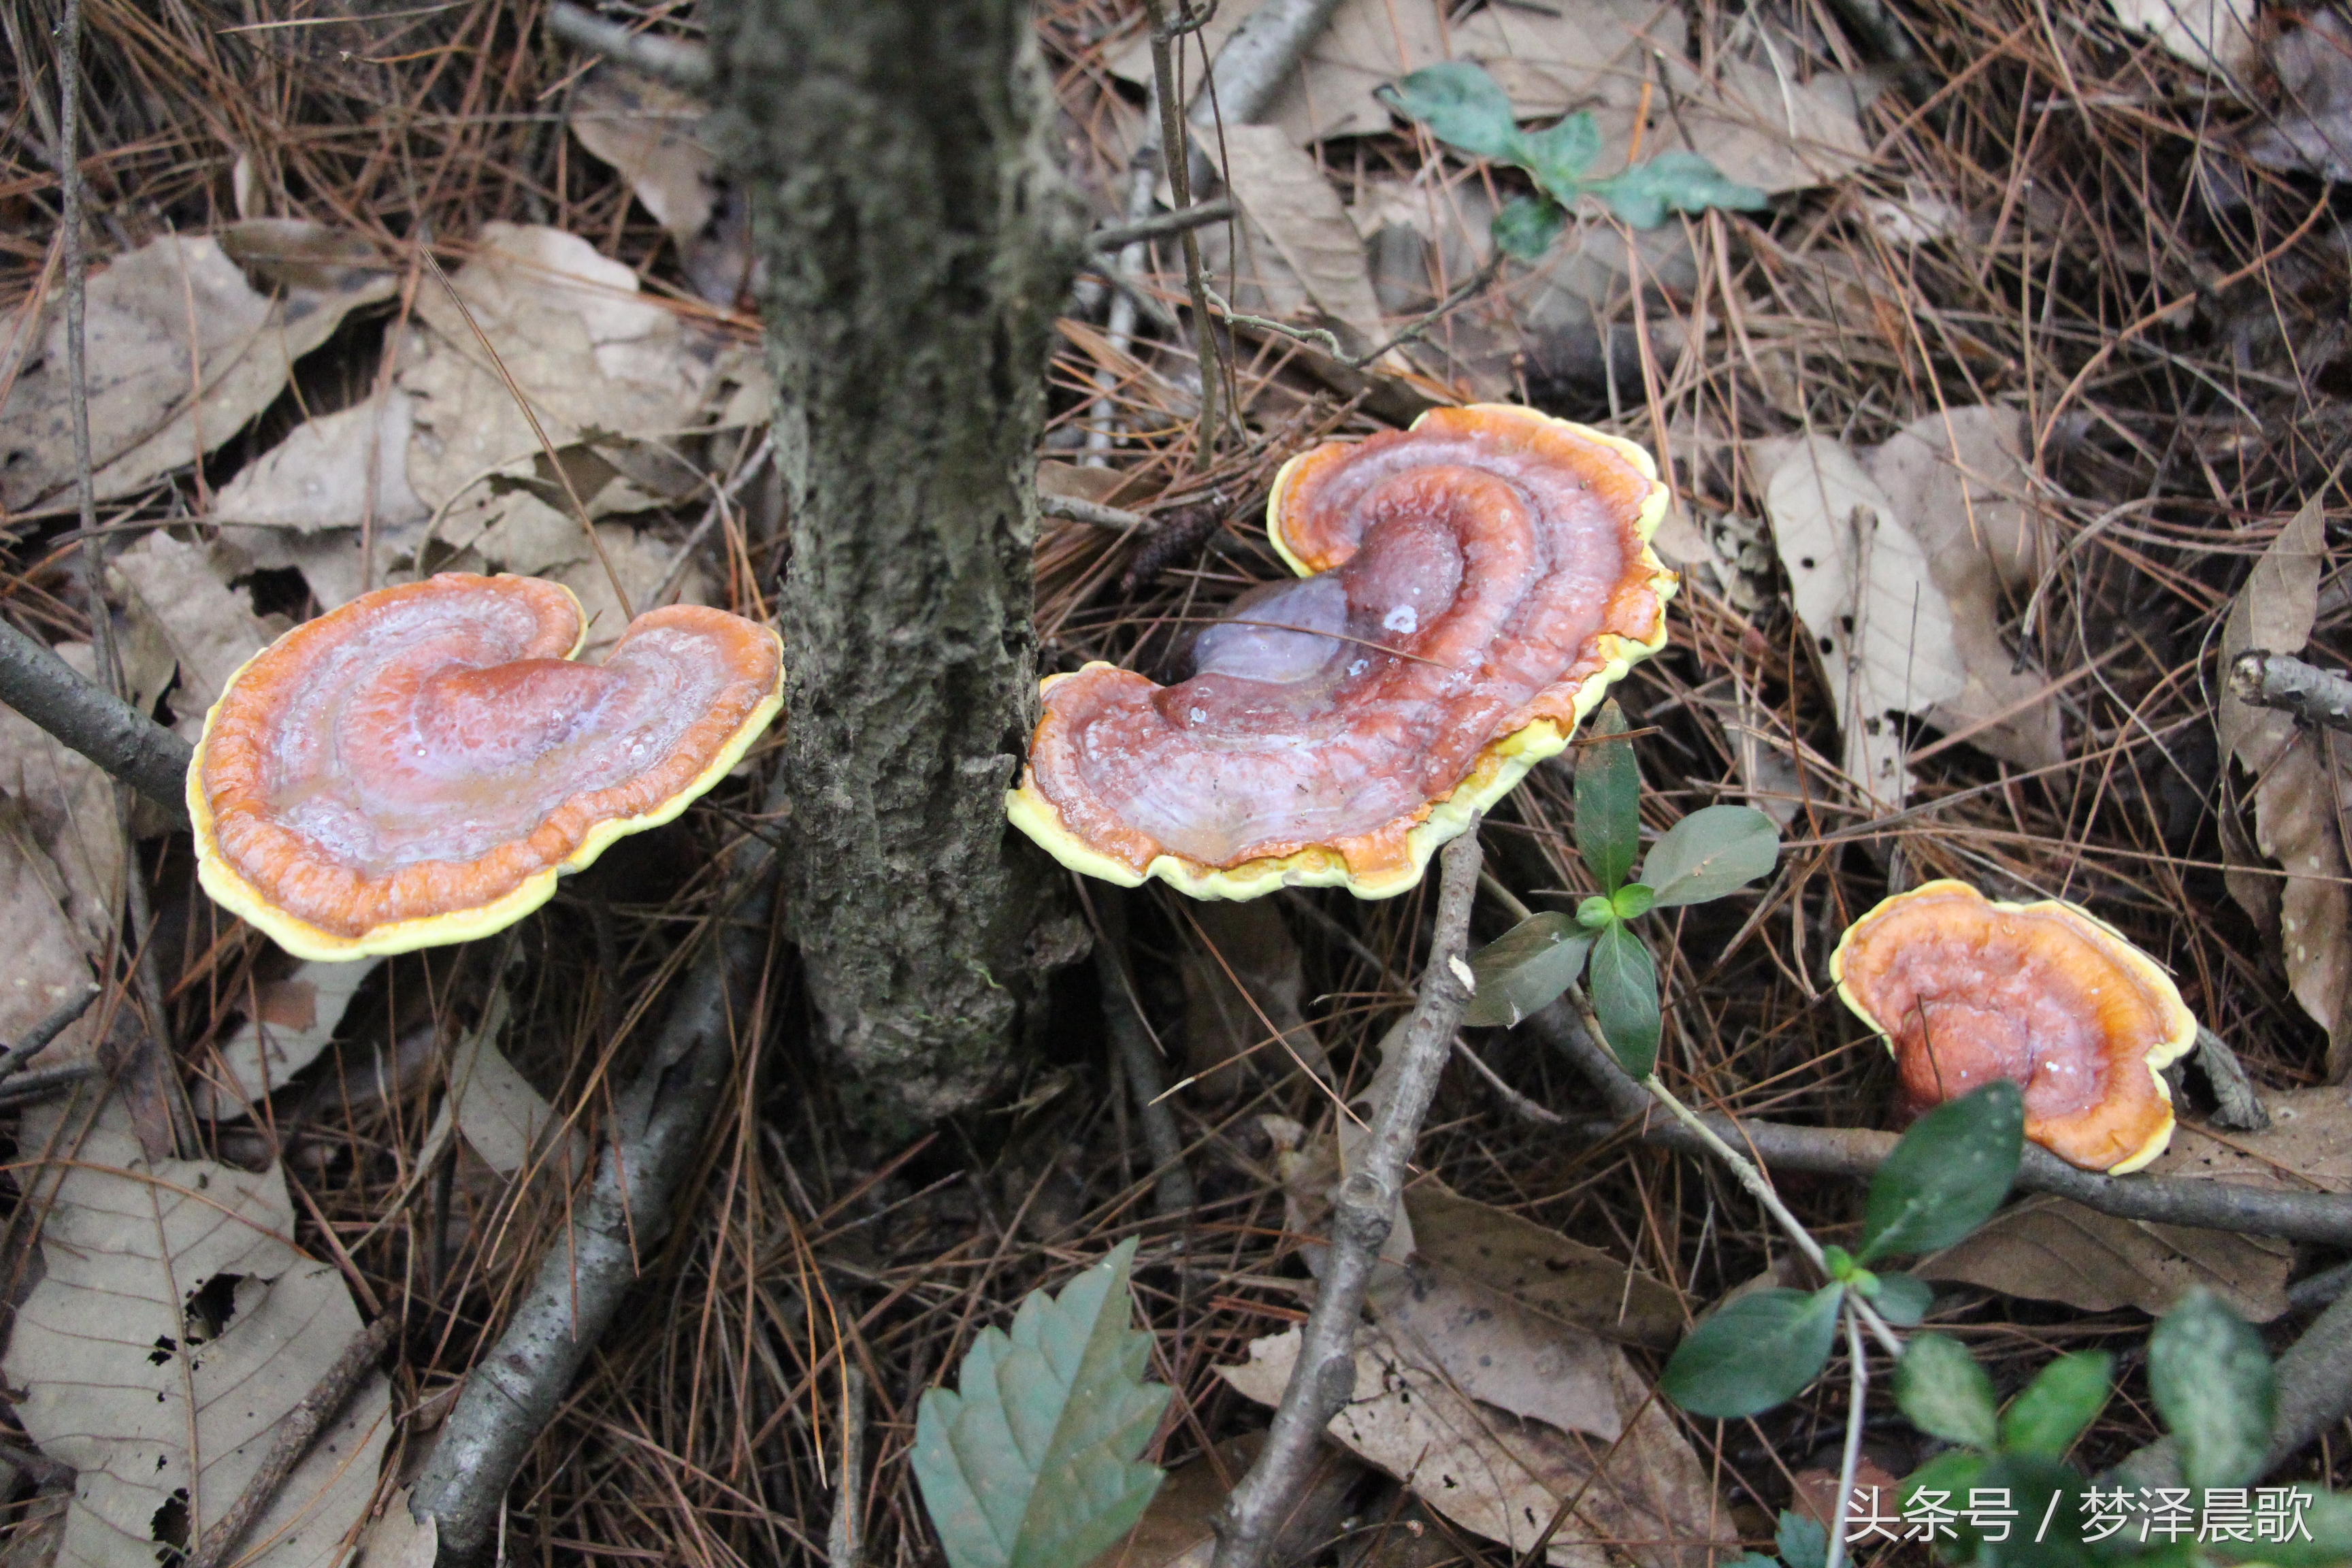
column 2298, row 792
column 174, row 1329
column 1289, row 199
column 2053, row 1250
column 146, row 414
column 394, row 1539
column 1541, row 1269
column 62, row 809
column 1645, row 1497
column 1863, row 587
column 502, row 1118
column 48, row 954
column 294, row 1020
column 177, row 595
column 1957, row 480
column 2312, row 129
column 1500, row 1353
column 2307, row 1145
column 318, row 477
column 648, row 131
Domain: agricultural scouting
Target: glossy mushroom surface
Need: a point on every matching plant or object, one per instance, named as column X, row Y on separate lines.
column 417, row 766
column 1468, row 590
column 1966, row 990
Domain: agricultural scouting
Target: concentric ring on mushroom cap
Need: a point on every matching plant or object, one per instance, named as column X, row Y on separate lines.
column 2044, row 995
column 1457, row 544
column 418, row 767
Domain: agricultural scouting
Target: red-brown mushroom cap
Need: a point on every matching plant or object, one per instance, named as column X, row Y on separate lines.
column 419, row 765
column 1468, row 590
column 1967, row 990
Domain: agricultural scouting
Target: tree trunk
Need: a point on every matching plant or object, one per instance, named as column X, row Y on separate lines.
column 917, row 241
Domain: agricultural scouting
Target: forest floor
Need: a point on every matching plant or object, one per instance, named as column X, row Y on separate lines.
column 2060, row 295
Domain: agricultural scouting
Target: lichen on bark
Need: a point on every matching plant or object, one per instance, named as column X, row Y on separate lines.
column 918, row 242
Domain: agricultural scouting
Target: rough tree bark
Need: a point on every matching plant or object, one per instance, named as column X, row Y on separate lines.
column 918, row 242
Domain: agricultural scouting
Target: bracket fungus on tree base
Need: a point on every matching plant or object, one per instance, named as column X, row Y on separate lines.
column 418, row 767
column 1467, row 591
column 1966, row 990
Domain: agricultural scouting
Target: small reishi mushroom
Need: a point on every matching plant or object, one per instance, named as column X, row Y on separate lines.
column 1966, row 990
column 418, row 767
column 1467, row 591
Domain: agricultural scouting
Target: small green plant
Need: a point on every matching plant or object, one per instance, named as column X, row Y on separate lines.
column 1946, row 1178
column 1465, row 108
column 1033, row 1460
column 1713, row 851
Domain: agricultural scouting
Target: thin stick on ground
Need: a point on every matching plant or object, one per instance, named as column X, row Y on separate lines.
column 519, row 1383
column 38, row 1038
column 1363, row 1210
column 673, row 60
column 94, row 721
column 292, row 1439
column 1858, row 1152
column 843, row 1542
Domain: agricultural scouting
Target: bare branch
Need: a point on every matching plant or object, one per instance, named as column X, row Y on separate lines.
column 1363, row 1210
column 37, row 1039
column 680, row 64
column 2279, row 680
column 1076, row 508
column 1858, row 1152
column 1119, row 236
column 94, row 721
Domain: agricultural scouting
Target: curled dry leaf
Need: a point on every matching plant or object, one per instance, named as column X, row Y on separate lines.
column 1498, row 1352
column 1863, row 589
column 174, row 1329
column 2299, row 791
column 147, row 416
column 1645, row 1498
column 293, row 1019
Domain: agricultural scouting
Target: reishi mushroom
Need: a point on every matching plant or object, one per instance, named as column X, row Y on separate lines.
column 418, row 767
column 1467, row 591
column 1966, row 990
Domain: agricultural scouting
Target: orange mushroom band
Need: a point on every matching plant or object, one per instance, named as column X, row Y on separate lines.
column 1966, row 990
column 420, row 765
column 1467, row 591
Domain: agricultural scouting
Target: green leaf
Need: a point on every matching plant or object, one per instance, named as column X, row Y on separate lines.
column 1952, row 1473
column 1804, row 1543
column 1558, row 156
column 1948, row 1174
column 1753, row 1560
column 1525, row 968
column 1839, row 1264
column 1632, row 901
column 1527, row 226
column 2063, row 1398
column 1625, row 999
column 1903, row 1299
column 2212, row 1383
column 1462, row 107
column 1756, row 1352
column 1709, row 853
column 1683, row 181
column 2032, row 1484
column 1033, row 1462
column 1945, row 1392
column 1608, row 801
column 1597, row 914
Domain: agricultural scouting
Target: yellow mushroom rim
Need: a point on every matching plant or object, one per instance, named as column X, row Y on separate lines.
column 234, row 891
column 1371, row 866
column 1965, row 989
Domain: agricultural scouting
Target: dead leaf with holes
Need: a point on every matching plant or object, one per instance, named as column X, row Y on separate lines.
column 1863, row 587
column 1645, row 1498
column 293, row 1020
column 1958, row 481
column 155, row 406
column 2301, row 787
column 175, row 1327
